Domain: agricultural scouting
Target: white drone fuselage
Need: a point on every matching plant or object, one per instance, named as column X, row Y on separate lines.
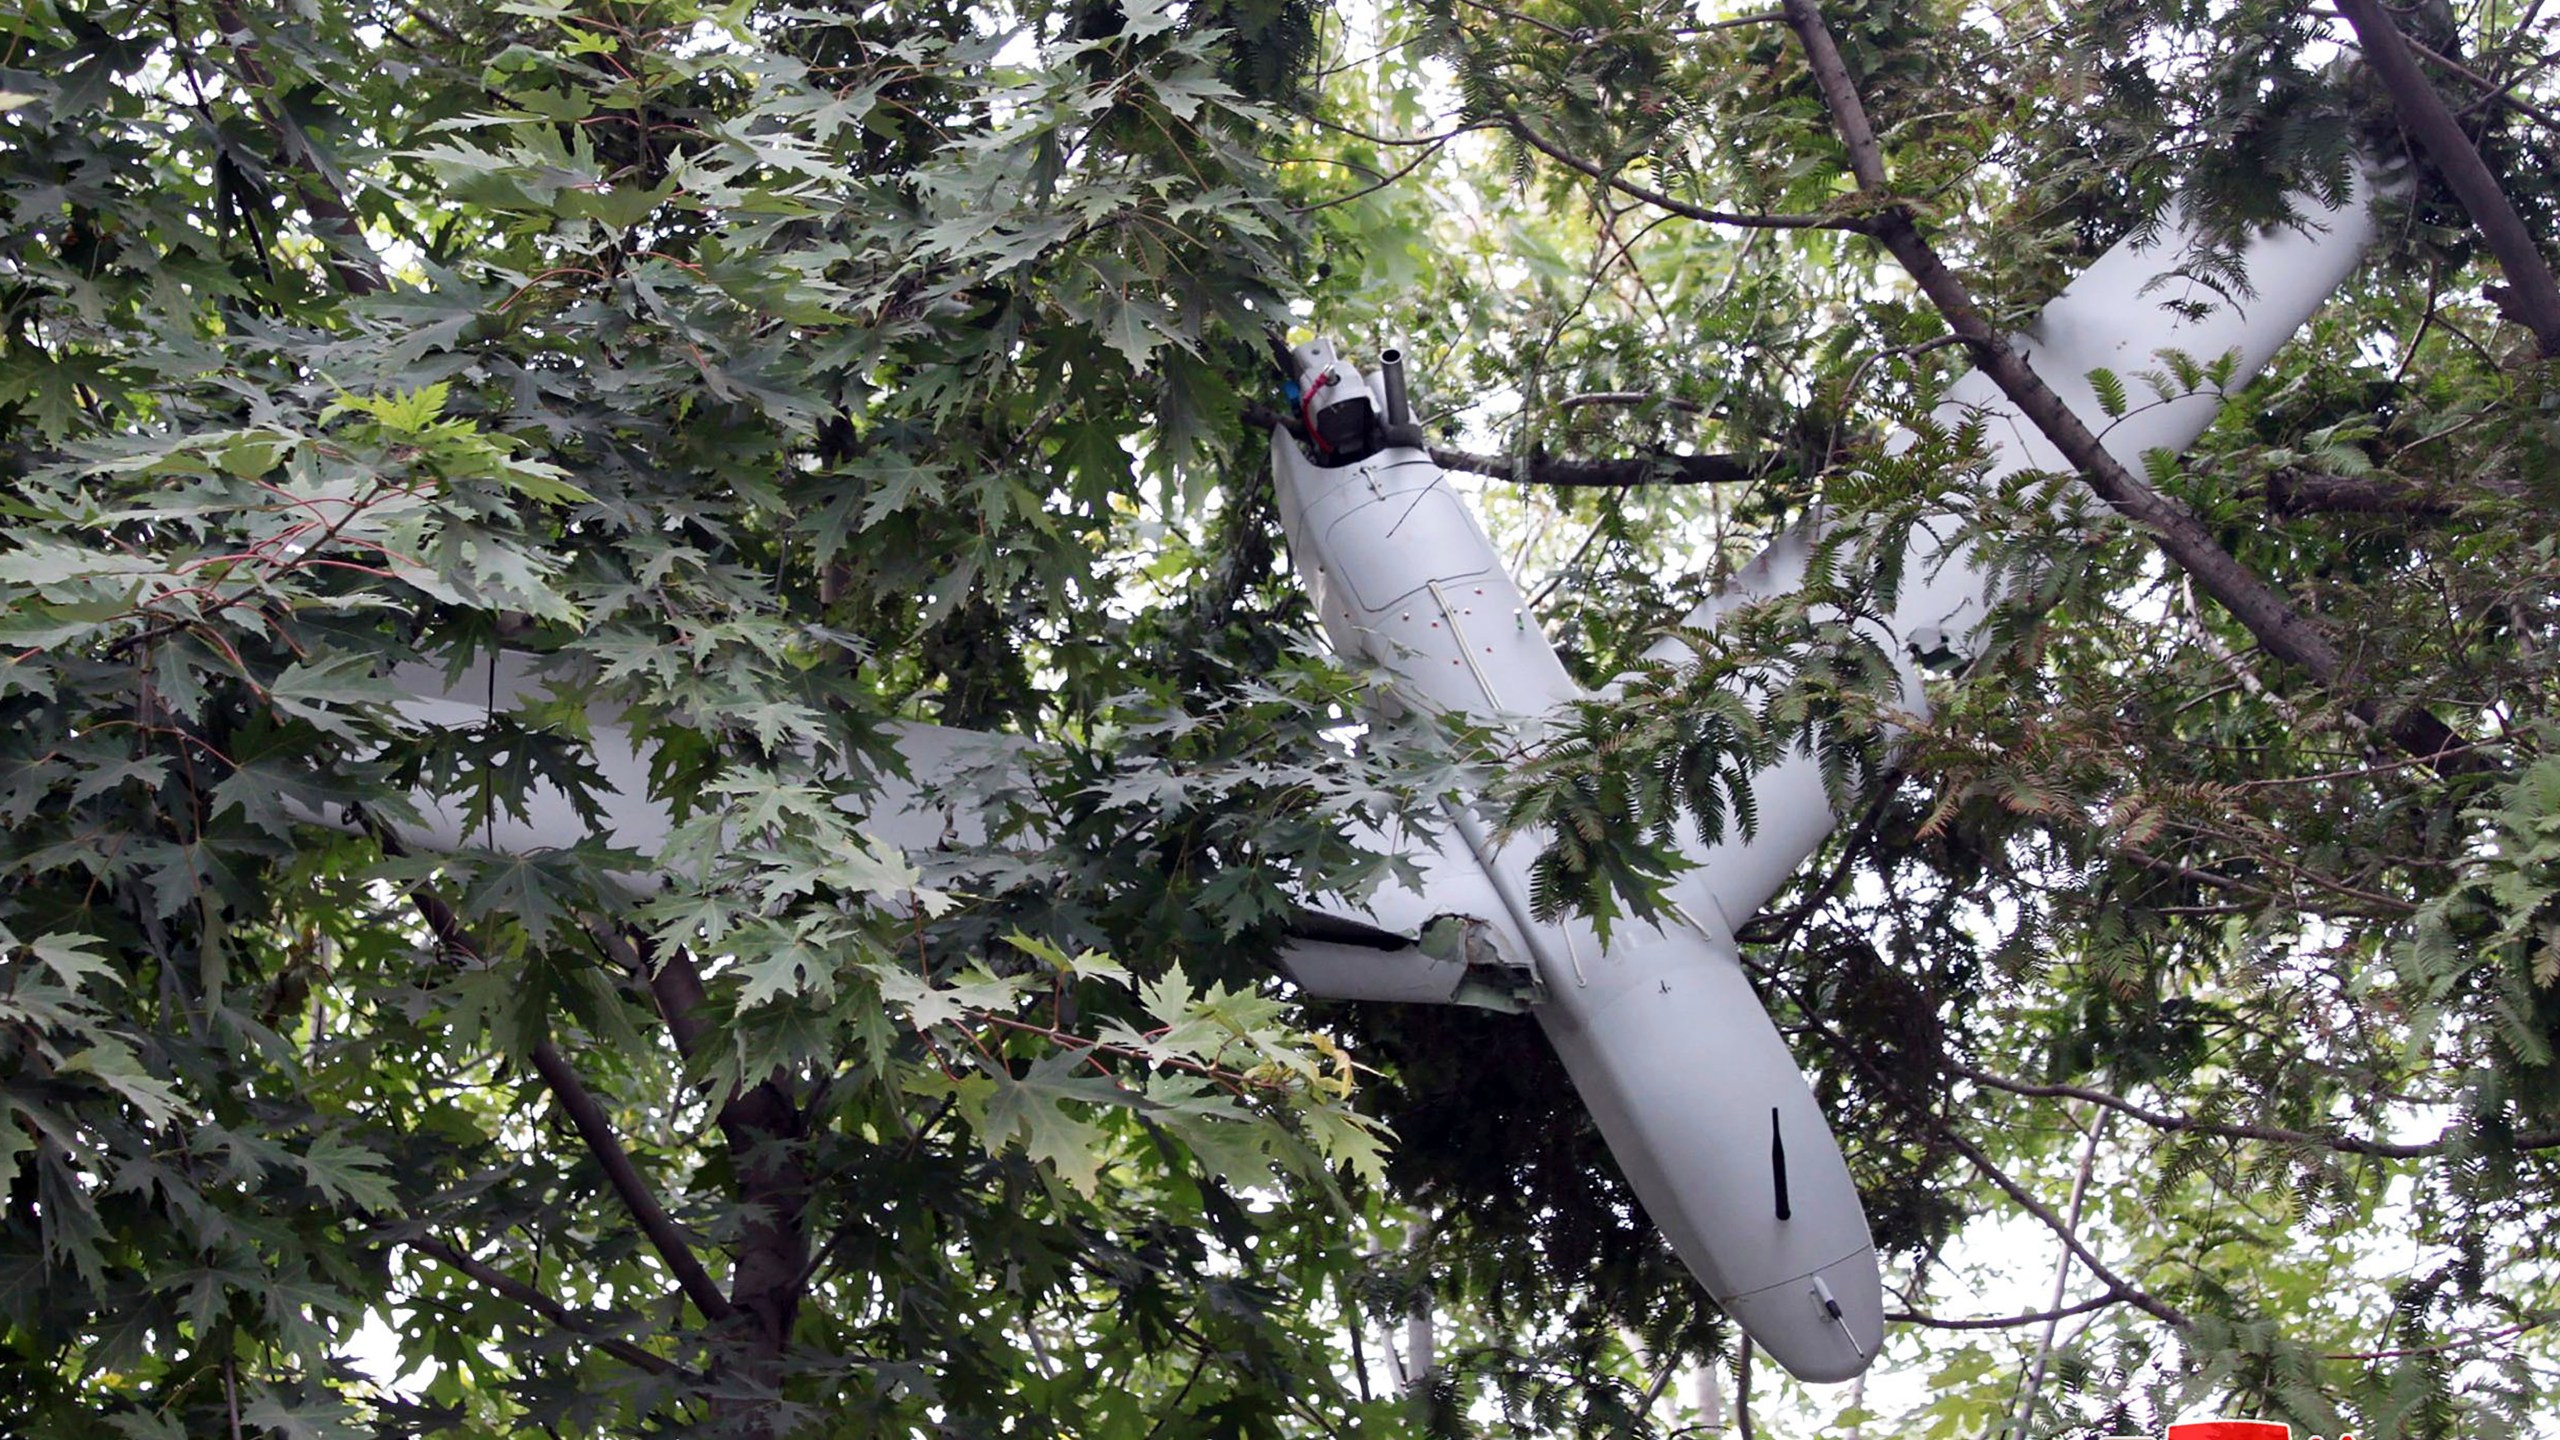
column 1690, row 1083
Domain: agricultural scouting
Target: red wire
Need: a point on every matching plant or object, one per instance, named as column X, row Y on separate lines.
column 1307, row 413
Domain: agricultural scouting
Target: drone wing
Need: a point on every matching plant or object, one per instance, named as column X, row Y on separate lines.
column 912, row 805
column 2135, row 305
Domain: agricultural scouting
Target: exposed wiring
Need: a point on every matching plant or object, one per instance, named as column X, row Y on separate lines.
column 1307, row 412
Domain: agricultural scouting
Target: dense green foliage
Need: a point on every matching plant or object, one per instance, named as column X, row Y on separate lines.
column 787, row 372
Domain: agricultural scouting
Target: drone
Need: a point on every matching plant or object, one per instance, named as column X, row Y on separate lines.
column 1668, row 1046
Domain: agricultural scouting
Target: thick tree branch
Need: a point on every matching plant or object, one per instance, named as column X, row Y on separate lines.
column 2533, row 298
column 2279, row 626
column 1742, row 1388
column 2271, row 1134
column 674, row 984
column 1540, row 468
column 596, row 1130
column 507, row 1287
column 761, row 1126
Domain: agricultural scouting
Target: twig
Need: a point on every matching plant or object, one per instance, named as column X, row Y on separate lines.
column 1629, row 397
column 1421, row 158
column 2463, row 1342
column 1517, row 18
column 1765, row 17
column 2061, row 1276
column 1529, row 136
column 2142, row 1300
column 2003, row 1322
column 1926, row 1114
column 2292, row 491
column 2491, row 92
column 2271, row 1134
column 508, row 1287
column 1443, row 138
column 1756, row 933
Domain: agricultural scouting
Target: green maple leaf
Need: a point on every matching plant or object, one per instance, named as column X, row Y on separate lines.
column 793, row 961
column 1132, row 325
column 1033, row 1111
column 892, row 483
column 273, row 778
column 526, row 889
column 327, row 1419
column 114, row 1063
column 1347, row 1137
column 56, row 390
column 71, row 956
column 347, row 1172
column 324, row 691
column 975, row 992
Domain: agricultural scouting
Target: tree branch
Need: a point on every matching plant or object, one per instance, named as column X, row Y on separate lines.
column 2279, row 626
column 2271, row 1134
column 761, row 1124
column 1530, row 137
column 2306, row 492
column 2116, row 1285
column 1540, row 468
column 507, row 1287
column 1628, row 397
column 1421, row 158
column 2491, row 92
column 2460, row 1342
column 351, row 260
column 2533, row 298
column 594, row 1128
column 1742, row 1388
column 2004, row 1322
column 1765, row 17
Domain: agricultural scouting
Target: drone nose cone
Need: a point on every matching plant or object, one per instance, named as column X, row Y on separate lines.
column 1823, row 1326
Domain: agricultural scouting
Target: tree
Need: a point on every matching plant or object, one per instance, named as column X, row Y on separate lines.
column 783, row 373
column 778, row 373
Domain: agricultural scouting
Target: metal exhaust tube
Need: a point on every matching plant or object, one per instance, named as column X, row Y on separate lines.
column 1391, row 370
column 1399, row 428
